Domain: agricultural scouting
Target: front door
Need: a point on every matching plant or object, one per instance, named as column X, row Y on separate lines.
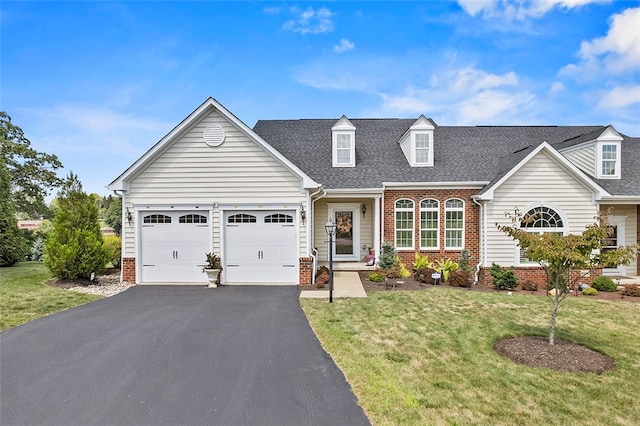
column 615, row 240
column 347, row 238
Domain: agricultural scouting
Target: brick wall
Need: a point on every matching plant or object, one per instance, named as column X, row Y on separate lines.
column 306, row 265
column 638, row 240
column 471, row 219
column 129, row 269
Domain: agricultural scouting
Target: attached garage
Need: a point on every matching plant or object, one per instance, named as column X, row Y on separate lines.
column 260, row 247
column 173, row 246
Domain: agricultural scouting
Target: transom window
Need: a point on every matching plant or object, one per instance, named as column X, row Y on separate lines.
column 241, row 218
column 156, row 218
column 192, row 218
column 278, row 218
column 454, row 224
column 422, row 148
column 404, row 223
column 343, row 149
column 429, row 224
column 541, row 220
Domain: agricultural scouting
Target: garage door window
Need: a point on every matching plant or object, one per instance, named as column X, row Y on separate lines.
column 193, row 218
column 278, row 218
column 242, row 218
column 157, row 218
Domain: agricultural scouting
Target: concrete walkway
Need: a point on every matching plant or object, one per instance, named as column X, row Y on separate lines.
column 345, row 284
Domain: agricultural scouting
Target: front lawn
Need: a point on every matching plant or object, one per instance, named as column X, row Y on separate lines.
column 24, row 296
column 426, row 357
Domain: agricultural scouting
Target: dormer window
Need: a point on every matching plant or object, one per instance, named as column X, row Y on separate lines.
column 343, row 135
column 609, row 160
column 417, row 143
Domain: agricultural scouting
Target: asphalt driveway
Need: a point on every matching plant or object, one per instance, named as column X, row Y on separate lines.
column 169, row 355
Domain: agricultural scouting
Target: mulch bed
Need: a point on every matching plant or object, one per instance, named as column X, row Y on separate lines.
column 534, row 351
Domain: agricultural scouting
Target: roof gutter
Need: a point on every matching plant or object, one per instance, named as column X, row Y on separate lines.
column 436, row 185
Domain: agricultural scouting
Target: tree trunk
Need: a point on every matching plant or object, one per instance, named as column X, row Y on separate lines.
column 552, row 330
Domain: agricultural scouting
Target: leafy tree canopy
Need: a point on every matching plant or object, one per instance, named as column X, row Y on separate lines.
column 33, row 173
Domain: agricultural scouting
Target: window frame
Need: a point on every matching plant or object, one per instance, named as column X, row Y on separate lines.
column 410, row 211
column 337, row 136
column 428, row 148
column 448, row 229
column 602, row 160
column 423, row 211
column 520, row 259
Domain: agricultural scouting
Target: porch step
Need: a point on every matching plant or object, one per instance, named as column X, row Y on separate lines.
column 349, row 266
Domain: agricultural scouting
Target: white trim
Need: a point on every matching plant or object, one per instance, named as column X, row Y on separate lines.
column 413, row 224
column 122, row 181
column 620, row 222
column 600, row 160
column 435, row 185
column 562, row 161
column 565, row 228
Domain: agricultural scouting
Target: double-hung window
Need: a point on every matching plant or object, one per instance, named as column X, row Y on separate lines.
column 404, row 224
column 343, row 149
column 609, row 160
column 429, row 224
column 422, row 148
column 454, row 224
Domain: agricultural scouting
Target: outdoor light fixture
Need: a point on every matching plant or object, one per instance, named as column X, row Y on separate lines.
column 129, row 216
column 330, row 227
column 363, row 208
column 303, row 213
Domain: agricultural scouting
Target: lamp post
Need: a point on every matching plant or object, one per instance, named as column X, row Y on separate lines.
column 330, row 227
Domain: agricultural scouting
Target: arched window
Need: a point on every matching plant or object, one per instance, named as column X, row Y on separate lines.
column 278, row 218
column 241, row 218
column 429, row 224
column 540, row 220
column 404, row 224
column 192, row 218
column 454, row 224
column 156, row 218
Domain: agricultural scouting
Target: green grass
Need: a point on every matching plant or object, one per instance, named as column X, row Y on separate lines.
column 24, row 296
column 426, row 358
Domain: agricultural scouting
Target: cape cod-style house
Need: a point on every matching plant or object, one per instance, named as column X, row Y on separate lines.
column 261, row 197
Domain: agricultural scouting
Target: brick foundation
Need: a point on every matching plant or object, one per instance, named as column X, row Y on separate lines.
column 306, row 266
column 533, row 273
column 638, row 240
column 129, row 269
column 471, row 222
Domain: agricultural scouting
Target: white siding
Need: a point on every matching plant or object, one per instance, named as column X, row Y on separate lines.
column 405, row 145
column 584, row 158
column 238, row 171
column 630, row 228
column 321, row 240
column 541, row 180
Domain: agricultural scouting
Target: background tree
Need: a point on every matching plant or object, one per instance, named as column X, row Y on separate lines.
column 563, row 257
column 32, row 173
column 113, row 216
column 74, row 248
column 13, row 245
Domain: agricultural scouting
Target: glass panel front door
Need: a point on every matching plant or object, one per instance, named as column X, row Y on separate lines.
column 344, row 232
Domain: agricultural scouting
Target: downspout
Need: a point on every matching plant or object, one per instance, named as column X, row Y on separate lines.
column 483, row 236
column 313, row 253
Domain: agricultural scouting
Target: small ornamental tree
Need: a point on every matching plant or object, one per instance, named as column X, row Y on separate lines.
column 74, row 248
column 564, row 257
column 387, row 256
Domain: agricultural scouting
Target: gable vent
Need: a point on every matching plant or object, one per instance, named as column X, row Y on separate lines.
column 213, row 135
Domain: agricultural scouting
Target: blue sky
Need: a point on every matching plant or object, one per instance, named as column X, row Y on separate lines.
column 98, row 83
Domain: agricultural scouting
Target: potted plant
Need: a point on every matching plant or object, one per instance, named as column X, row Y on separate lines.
column 212, row 269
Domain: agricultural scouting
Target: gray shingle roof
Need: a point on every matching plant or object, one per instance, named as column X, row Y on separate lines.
column 461, row 153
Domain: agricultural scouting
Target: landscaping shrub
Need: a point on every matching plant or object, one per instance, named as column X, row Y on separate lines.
column 589, row 291
column 459, row 279
column 423, row 275
column 604, row 284
column 422, row 262
column 387, row 256
column 398, row 270
column 446, row 266
column 37, row 249
column 529, row 285
column 503, row 278
column 464, row 262
column 376, row 277
column 632, row 290
column 113, row 245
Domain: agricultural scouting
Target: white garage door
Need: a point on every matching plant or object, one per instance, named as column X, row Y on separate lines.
column 174, row 246
column 261, row 247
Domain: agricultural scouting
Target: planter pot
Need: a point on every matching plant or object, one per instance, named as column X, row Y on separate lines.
column 212, row 276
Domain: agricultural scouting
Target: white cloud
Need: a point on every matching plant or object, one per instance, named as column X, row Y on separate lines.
column 344, row 46
column 272, row 10
column 556, row 87
column 521, row 9
column 310, row 21
column 619, row 50
column 620, row 97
